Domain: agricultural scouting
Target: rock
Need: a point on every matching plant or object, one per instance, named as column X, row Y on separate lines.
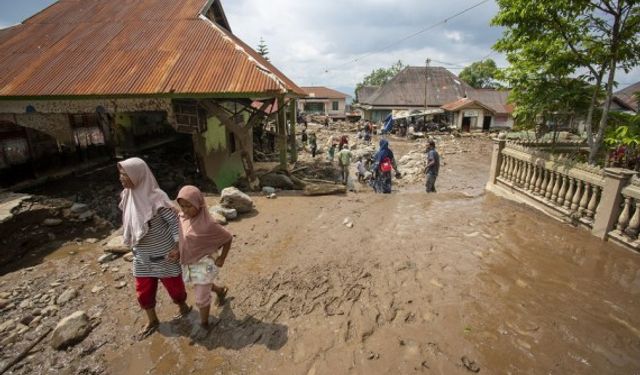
column 272, row 196
column 27, row 319
column 97, row 289
column 218, row 218
column 268, row 190
column 107, row 258
column 79, row 208
column 91, row 240
column 25, row 304
column 4, row 303
column 52, row 222
column 8, row 325
column 349, row 225
column 277, row 180
column 86, row 216
column 231, row 197
column 128, row 257
column 121, row 285
column 470, row 364
column 10, row 339
column 55, row 284
column 36, row 312
column 228, row 213
column 5, row 295
column 50, row 310
column 66, row 296
column 116, row 245
column 70, row 330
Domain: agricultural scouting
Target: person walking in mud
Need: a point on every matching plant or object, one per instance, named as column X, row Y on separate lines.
column 151, row 228
column 200, row 239
column 344, row 159
column 313, row 144
column 384, row 163
column 433, row 167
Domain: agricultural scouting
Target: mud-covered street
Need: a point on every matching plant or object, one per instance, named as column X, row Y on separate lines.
column 456, row 282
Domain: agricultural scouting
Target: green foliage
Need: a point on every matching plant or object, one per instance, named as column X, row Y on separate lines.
column 624, row 130
column 481, row 75
column 380, row 76
column 262, row 49
column 573, row 45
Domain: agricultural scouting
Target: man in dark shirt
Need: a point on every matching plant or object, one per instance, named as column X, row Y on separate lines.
column 433, row 167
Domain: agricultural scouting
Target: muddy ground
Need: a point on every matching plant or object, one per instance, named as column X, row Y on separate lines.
column 450, row 283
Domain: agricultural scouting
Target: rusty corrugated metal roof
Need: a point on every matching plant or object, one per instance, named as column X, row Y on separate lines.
column 130, row 47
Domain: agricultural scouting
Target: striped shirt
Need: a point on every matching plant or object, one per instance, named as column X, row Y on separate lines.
column 149, row 254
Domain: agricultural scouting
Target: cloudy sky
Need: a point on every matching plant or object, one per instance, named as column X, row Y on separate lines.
column 337, row 43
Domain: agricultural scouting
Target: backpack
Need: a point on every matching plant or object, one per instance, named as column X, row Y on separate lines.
column 385, row 165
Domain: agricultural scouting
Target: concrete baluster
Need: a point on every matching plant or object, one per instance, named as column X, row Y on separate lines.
column 585, row 198
column 634, row 223
column 556, row 186
column 545, row 182
column 593, row 202
column 563, row 190
column 550, row 184
column 575, row 202
column 539, row 180
column 569, row 195
column 527, row 175
column 623, row 219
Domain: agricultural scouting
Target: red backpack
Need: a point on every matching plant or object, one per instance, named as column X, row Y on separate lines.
column 385, row 165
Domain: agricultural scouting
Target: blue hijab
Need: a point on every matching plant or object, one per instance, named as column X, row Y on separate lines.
column 384, row 151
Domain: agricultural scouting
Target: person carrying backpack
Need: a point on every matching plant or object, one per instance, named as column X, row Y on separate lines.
column 384, row 163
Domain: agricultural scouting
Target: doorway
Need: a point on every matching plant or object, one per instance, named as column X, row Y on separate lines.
column 466, row 124
column 486, row 123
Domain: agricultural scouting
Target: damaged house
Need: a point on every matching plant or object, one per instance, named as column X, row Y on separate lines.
column 83, row 82
column 482, row 109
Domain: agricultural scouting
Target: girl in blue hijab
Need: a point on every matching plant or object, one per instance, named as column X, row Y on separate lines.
column 382, row 167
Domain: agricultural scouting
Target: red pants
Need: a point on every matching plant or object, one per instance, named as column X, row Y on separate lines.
column 147, row 287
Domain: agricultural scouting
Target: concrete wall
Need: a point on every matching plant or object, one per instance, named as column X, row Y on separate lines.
column 219, row 164
column 328, row 105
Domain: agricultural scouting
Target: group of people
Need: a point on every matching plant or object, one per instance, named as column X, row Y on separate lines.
column 385, row 163
column 170, row 245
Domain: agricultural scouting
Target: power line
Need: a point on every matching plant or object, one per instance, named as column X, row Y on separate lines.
column 410, row 36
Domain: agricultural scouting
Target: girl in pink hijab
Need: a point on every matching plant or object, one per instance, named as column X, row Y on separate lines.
column 200, row 239
column 151, row 229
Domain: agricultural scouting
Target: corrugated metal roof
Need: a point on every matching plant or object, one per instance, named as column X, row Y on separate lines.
column 407, row 88
column 322, row 92
column 130, row 47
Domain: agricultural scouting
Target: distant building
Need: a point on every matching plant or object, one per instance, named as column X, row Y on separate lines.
column 323, row 101
column 625, row 100
column 483, row 109
column 406, row 93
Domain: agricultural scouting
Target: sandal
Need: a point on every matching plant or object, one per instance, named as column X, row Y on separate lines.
column 222, row 296
column 181, row 315
column 147, row 331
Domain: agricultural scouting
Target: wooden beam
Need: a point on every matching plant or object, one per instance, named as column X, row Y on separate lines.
column 282, row 132
column 292, row 121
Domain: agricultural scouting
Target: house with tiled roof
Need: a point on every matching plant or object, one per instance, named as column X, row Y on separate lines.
column 323, row 101
column 413, row 90
column 626, row 99
column 119, row 76
column 482, row 109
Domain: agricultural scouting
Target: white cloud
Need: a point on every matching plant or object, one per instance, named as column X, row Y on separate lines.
column 455, row 36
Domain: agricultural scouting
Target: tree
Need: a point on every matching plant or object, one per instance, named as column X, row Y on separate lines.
column 481, row 75
column 555, row 40
column 380, row 76
column 262, row 49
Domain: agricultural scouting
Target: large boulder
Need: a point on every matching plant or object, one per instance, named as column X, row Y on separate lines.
column 231, row 197
column 71, row 330
column 277, row 180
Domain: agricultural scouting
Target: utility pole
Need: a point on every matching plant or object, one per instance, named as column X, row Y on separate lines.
column 426, row 84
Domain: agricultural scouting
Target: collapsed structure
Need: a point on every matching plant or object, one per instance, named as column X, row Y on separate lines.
column 81, row 82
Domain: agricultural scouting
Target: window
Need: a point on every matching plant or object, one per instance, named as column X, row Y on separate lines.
column 314, row 107
column 335, row 106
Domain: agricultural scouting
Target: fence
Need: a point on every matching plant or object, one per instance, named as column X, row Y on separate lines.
column 606, row 201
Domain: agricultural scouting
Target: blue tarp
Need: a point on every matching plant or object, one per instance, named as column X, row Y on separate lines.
column 388, row 124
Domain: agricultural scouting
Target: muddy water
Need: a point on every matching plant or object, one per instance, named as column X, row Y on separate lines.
column 422, row 283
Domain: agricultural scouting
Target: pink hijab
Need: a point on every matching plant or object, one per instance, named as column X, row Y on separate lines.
column 141, row 203
column 200, row 235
